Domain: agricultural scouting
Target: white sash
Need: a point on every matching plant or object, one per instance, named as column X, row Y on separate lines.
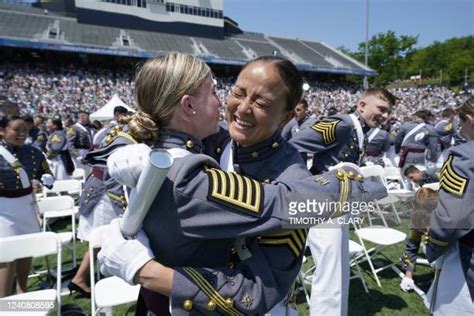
column 413, row 131
column 25, row 182
column 360, row 133
column 227, row 164
column 373, row 134
column 227, row 159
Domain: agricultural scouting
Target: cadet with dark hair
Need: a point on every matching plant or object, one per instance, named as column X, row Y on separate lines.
column 57, row 150
column 417, row 141
column 20, row 166
column 294, row 126
column 421, row 177
column 192, row 216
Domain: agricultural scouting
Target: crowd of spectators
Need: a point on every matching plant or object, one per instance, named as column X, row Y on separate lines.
column 60, row 89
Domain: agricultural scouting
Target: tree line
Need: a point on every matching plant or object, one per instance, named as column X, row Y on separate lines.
column 396, row 58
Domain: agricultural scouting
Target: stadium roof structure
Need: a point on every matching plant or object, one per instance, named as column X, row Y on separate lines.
column 34, row 28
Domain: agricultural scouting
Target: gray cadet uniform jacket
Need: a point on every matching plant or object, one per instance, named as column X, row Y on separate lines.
column 445, row 131
column 31, row 159
column 331, row 140
column 80, row 137
column 424, row 142
column 57, row 145
column 201, row 210
column 99, row 181
column 39, row 138
column 430, row 175
column 377, row 146
column 453, row 220
column 292, row 128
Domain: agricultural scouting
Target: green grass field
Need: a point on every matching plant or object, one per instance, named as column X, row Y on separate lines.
column 385, row 300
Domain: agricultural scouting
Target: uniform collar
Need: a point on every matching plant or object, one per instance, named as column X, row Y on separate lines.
column 259, row 151
column 304, row 119
column 174, row 139
column 10, row 147
column 363, row 124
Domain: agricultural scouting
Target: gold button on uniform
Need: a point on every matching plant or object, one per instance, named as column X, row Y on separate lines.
column 229, row 302
column 188, row 305
column 189, row 144
column 275, row 145
column 211, row 306
column 360, row 178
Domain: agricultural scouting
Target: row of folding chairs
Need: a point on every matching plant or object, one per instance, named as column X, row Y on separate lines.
column 380, row 236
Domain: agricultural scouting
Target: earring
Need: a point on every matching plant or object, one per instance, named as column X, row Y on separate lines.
column 194, row 112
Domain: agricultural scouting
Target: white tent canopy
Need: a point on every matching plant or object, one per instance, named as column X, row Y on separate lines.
column 107, row 111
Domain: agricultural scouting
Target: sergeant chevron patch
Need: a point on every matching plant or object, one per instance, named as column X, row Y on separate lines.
column 450, row 181
column 327, row 129
column 294, row 239
column 239, row 192
column 56, row 139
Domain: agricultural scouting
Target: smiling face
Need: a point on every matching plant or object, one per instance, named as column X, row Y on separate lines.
column 257, row 104
column 15, row 132
column 374, row 110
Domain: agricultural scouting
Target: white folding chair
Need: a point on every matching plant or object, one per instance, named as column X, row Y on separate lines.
column 382, row 237
column 33, row 245
column 79, row 174
column 376, row 173
column 71, row 187
column 356, row 251
column 387, row 162
column 60, row 206
column 110, row 291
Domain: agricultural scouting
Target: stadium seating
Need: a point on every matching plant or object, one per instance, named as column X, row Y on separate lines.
column 161, row 41
column 29, row 23
column 306, row 53
column 260, row 47
column 325, row 51
column 226, row 48
column 18, row 25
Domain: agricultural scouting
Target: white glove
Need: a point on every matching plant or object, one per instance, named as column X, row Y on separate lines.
column 47, row 180
column 407, row 284
column 126, row 164
column 348, row 166
column 122, row 257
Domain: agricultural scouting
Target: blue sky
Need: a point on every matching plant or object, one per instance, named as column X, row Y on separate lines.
column 342, row 22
